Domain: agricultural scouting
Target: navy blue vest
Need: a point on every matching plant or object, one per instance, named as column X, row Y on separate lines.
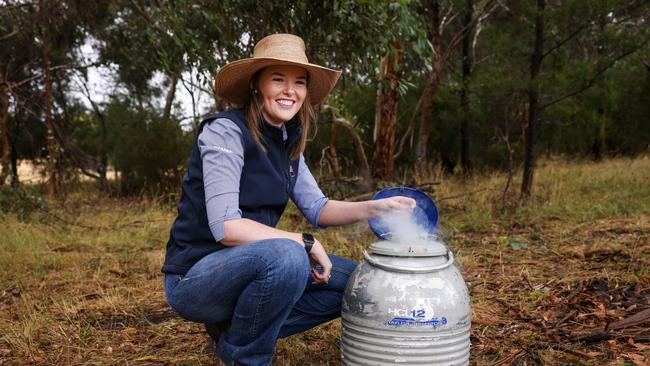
column 266, row 183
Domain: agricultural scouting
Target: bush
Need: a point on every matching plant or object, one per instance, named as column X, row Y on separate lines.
column 21, row 201
column 148, row 151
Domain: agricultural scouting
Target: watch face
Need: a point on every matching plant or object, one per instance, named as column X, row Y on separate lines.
column 308, row 238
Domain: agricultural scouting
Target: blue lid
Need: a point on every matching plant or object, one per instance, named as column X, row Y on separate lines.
column 425, row 213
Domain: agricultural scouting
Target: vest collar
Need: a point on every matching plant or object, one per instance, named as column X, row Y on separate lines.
column 276, row 134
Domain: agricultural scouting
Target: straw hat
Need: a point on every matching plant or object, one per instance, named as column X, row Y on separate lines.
column 233, row 80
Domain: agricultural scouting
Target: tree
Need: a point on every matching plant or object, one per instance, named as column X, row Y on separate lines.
column 53, row 151
column 386, row 115
column 533, row 99
column 467, row 63
column 443, row 48
column 585, row 24
column 4, row 136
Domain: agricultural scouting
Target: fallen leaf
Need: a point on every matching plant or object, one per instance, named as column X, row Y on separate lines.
column 158, row 343
column 146, row 358
column 128, row 347
column 635, row 357
column 641, row 346
column 516, row 244
column 184, row 328
column 553, row 298
column 612, row 343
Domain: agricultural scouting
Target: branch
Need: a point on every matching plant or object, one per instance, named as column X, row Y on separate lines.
column 568, row 38
column 591, row 81
column 587, row 25
column 98, row 113
column 646, row 63
column 19, row 5
column 12, row 85
column 358, row 143
column 448, row 18
column 458, row 37
column 6, row 36
column 409, row 129
column 150, row 19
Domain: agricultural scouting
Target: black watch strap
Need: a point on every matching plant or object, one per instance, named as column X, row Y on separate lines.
column 309, row 241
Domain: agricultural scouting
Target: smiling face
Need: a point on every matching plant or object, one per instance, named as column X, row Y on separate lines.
column 283, row 90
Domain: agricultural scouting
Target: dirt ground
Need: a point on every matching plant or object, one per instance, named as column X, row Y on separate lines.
column 551, row 283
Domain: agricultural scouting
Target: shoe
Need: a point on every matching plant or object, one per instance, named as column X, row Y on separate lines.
column 215, row 330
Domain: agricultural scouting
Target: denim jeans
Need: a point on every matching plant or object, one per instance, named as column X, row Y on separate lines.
column 265, row 288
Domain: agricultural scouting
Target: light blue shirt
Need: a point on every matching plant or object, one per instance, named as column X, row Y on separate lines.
column 222, row 153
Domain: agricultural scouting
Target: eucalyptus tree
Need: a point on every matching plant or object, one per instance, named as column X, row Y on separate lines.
column 446, row 33
column 362, row 38
column 37, row 60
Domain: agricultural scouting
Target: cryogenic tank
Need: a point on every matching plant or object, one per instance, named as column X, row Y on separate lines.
column 406, row 304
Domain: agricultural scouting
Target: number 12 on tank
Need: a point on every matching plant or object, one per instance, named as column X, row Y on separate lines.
column 418, row 313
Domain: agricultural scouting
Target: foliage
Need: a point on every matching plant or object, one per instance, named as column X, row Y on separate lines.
column 594, row 79
column 149, row 152
column 21, row 201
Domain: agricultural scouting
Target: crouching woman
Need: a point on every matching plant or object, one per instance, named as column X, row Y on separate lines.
column 226, row 264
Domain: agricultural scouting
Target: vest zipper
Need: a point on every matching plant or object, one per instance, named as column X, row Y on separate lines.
column 287, row 181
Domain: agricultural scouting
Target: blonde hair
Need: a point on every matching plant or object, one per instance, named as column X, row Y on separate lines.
column 254, row 118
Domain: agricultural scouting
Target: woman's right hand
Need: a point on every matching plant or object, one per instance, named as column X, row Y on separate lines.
column 385, row 206
column 318, row 256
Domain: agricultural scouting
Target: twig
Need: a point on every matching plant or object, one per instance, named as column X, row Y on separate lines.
column 565, row 318
column 468, row 194
column 589, row 83
column 507, row 359
column 363, row 196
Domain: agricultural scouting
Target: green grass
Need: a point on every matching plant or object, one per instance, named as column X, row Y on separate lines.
column 80, row 283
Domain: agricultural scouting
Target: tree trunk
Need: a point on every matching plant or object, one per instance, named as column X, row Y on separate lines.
column 468, row 61
column 334, row 159
column 4, row 137
column 49, row 123
column 103, row 154
column 533, row 100
column 599, row 143
column 430, row 89
column 14, row 151
column 383, row 160
column 362, row 160
column 171, row 93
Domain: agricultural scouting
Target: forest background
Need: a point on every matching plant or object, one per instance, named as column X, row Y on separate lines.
column 468, row 93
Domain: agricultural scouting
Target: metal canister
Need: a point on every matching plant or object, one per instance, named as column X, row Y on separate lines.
column 406, row 304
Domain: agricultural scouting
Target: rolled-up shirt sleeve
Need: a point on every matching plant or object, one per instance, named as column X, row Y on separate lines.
column 306, row 194
column 222, row 153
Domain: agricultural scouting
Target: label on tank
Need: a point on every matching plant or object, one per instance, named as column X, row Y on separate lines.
column 416, row 317
column 435, row 322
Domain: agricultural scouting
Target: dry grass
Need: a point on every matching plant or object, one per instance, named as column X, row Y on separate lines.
column 82, row 283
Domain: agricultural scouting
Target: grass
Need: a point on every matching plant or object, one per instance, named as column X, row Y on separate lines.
column 80, row 283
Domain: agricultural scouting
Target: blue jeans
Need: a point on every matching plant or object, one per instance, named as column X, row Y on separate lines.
column 265, row 288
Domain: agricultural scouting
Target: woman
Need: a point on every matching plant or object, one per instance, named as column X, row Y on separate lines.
column 226, row 264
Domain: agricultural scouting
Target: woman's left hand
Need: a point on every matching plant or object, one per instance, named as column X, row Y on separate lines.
column 318, row 256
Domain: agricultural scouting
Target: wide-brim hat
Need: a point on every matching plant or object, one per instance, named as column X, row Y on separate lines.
column 233, row 80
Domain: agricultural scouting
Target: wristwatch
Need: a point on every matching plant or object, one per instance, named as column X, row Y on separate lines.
column 308, row 239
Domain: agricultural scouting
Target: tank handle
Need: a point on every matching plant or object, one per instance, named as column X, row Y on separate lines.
column 394, row 268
